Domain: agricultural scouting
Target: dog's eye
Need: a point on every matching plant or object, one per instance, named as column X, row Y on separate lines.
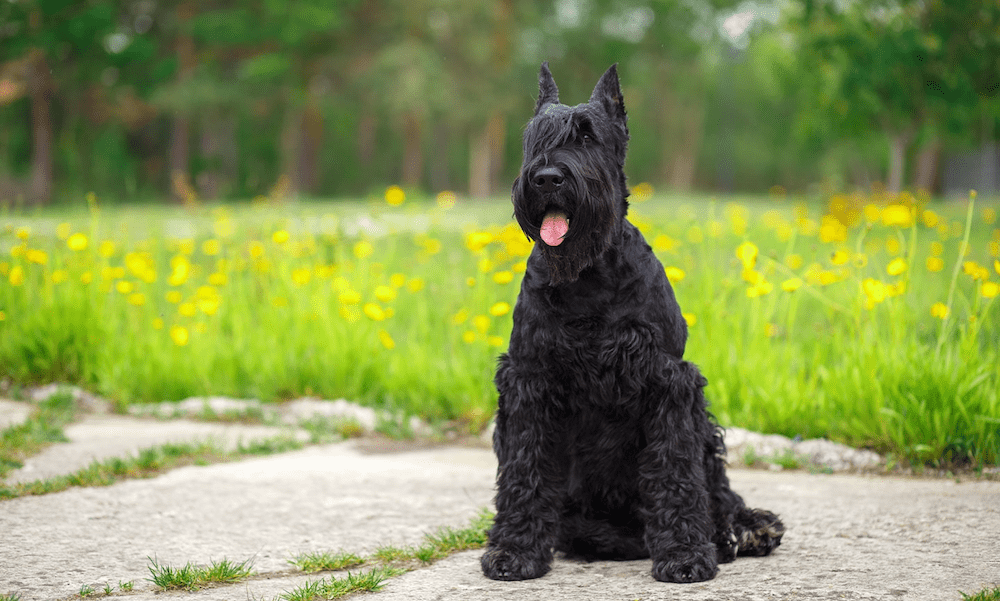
column 586, row 139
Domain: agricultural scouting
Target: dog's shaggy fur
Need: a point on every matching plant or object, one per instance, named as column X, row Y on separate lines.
column 605, row 446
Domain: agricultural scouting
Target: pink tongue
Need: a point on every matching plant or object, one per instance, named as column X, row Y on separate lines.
column 554, row 227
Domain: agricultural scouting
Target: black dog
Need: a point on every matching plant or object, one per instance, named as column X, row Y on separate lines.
column 605, row 446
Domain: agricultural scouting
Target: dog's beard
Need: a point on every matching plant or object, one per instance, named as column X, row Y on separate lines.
column 579, row 225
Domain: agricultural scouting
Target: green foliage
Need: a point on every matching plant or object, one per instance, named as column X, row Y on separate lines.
column 43, row 426
column 987, row 594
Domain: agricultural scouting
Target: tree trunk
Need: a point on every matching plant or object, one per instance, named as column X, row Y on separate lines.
column 927, row 163
column 898, row 143
column 180, row 159
column 40, row 89
column 413, row 152
column 309, row 150
column 290, row 182
column 486, row 157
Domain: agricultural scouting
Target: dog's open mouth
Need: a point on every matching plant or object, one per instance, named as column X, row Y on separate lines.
column 554, row 228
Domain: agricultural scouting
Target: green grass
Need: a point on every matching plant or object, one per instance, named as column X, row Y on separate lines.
column 987, row 594
column 191, row 577
column 10, row 597
column 149, row 462
column 335, row 588
column 43, row 427
column 386, row 561
column 325, row 561
column 826, row 330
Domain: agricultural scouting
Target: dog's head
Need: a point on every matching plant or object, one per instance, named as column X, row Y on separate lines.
column 570, row 196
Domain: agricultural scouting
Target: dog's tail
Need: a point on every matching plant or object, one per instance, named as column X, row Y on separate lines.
column 758, row 531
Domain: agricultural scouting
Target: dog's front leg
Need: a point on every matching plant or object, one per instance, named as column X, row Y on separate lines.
column 530, row 480
column 675, row 499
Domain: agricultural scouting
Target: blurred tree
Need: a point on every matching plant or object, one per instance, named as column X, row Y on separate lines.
column 910, row 70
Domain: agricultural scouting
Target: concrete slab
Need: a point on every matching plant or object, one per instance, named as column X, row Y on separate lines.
column 849, row 537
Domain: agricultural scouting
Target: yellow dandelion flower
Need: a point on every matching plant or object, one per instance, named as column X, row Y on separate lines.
column 935, row 264
column 180, row 270
column 173, row 297
column 350, row 314
column 937, row 249
column 432, row 246
column 481, row 323
column 255, row 249
column 674, row 274
column 791, row 284
column 185, row 246
column 460, row 317
column 940, row 310
column 23, row 233
column 279, row 302
column 394, row 196
column 747, row 253
column 896, row 267
column 86, row 277
column 931, row 219
column 106, row 249
column 989, row 215
column 503, row 277
column 385, row 294
column 832, row 230
column 374, row 312
column 280, row 236
column 690, row 318
column 59, row 276
column 137, row 298
column 470, row 281
column 897, row 215
column 16, row 275
column 761, row 288
column 208, row 306
column 494, row 341
column 158, row 323
column 446, row 199
column 892, row 246
column 642, row 192
column 485, row 265
column 476, row 241
column 386, row 340
column 996, row 266
column 124, row 287
column 218, row 279
column 301, row 276
column 415, row 285
column 975, row 270
column 187, row 309
column 39, row 257
column 349, row 297
column 840, row 257
column 397, row 280
column 468, row 336
column 752, row 276
column 793, row 261
column 63, row 231
column 499, row 309
column 363, row 249
column 211, row 247
column 179, row 334
column 664, row 243
column 990, row 289
column 875, row 292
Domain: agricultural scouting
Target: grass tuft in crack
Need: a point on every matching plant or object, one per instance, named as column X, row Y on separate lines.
column 324, row 561
column 987, row 594
column 43, row 426
column 392, row 561
column 149, row 462
column 335, row 588
column 10, row 597
column 192, row 577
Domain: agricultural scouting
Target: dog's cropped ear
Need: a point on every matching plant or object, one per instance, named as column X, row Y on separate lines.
column 548, row 93
column 608, row 93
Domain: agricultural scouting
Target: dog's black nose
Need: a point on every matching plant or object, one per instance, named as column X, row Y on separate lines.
column 547, row 179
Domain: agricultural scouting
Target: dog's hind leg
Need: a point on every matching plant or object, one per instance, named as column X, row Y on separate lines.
column 758, row 531
column 676, row 503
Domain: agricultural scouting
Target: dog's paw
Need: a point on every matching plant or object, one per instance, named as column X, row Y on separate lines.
column 696, row 565
column 500, row 564
column 726, row 546
column 758, row 531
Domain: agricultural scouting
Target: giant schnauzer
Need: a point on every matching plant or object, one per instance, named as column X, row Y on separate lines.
column 606, row 449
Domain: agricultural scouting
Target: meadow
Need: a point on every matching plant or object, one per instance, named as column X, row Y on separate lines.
column 862, row 318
